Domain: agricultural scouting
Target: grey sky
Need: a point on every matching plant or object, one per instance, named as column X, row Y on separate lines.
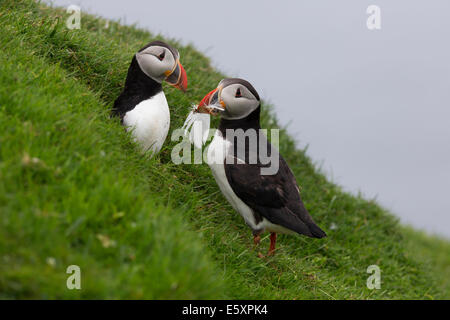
column 373, row 106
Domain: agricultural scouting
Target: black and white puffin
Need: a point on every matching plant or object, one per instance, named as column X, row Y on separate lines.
column 266, row 202
column 142, row 105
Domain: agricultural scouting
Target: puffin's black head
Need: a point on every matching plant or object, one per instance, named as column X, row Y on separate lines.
column 160, row 61
column 233, row 99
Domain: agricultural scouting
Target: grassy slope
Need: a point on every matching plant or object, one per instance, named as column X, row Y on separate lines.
column 171, row 232
column 71, row 194
column 434, row 252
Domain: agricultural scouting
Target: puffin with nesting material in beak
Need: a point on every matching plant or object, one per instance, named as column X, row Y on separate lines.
column 267, row 202
column 142, row 105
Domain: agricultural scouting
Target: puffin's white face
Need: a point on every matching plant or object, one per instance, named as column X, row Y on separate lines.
column 232, row 98
column 160, row 63
column 239, row 101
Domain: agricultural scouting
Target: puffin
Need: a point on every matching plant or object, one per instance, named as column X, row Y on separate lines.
column 142, row 105
column 267, row 201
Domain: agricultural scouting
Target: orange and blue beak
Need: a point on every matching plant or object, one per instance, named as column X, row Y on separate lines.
column 211, row 103
column 178, row 77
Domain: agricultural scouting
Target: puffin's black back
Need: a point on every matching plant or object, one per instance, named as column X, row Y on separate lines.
column 274, row 197
column 138, row 87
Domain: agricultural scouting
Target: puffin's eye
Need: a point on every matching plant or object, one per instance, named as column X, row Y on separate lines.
column 238, row 93
column 162, row 55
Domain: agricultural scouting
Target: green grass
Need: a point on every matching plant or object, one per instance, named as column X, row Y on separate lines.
column 433, row 251
column 75, row 190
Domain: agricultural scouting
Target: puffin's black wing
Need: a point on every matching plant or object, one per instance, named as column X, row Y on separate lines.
column 275, row 197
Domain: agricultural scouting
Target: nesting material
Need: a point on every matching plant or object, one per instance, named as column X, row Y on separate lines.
column 196, row 127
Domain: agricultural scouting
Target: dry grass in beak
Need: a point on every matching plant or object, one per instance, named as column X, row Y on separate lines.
column 196, row 127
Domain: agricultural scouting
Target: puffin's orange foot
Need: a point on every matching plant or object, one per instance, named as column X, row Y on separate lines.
column 273, row 241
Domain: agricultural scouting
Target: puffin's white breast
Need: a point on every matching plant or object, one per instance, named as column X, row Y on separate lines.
column 217, row 151
column 149, row 122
